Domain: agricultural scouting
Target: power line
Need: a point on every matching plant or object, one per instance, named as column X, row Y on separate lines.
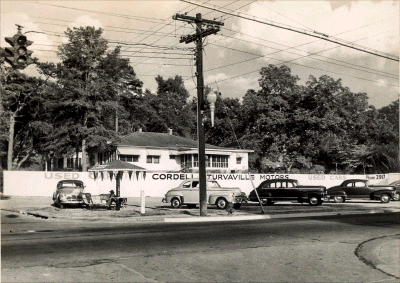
column 311, row 54
column 302, row 56
column 315, row 34
column 153, row 20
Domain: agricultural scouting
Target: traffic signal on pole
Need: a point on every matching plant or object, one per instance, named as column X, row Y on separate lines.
column 18, row 55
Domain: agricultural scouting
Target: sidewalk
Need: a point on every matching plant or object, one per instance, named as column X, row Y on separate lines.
column 157, row 211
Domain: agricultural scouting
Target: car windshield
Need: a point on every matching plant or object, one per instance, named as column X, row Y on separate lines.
column 212, row 184
column 71, row 190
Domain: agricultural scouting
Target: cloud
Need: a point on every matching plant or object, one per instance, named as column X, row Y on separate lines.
column 235, row 87
column 370, row 24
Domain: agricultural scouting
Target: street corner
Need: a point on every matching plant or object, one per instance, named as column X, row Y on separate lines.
column 382, row 253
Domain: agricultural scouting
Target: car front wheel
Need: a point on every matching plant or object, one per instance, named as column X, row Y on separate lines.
column 339, row 199
column 222, row 203
column 313, row 200
column 385, row 198
column 176, row 203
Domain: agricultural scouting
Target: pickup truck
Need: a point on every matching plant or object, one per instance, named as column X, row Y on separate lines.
column 187, row 193
column 359, row 188
column 274, row 190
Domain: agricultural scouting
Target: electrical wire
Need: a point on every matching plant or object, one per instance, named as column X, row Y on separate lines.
column 315, row 34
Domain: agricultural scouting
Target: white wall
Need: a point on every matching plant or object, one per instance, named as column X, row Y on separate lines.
column 34, row 183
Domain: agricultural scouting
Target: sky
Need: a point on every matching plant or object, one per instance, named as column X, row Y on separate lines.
column 234, row 56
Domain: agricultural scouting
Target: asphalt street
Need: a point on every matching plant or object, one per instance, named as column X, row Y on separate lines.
column 336, row 248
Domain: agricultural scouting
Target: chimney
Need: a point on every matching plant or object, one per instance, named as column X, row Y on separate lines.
column 169, row 131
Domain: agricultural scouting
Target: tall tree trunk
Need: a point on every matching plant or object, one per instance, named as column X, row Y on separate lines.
column 11, row 142
column 84, row 163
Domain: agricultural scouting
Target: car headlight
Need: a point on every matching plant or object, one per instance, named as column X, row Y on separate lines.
column 63, row 197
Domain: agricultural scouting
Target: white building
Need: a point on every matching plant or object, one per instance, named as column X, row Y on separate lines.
column 168, row 153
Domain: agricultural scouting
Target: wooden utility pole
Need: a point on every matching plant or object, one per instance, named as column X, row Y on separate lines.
column 212, row 28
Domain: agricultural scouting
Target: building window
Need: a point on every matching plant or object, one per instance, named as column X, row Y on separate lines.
column 186, row 160
column 172, row 156
column 196, row 160
column 129, row 158
column 71, row 162
column 153, row 159
column 220, row 161
column 238, row 160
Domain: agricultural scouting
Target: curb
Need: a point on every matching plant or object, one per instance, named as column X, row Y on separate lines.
column 196, row 218
column 216, row 218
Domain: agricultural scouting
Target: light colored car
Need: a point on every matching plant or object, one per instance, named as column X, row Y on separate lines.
column 69, row 192
column 187, row 193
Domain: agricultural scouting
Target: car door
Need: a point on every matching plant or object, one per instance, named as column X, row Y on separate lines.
column 358, row 189
column 190, row 191
column 289, row 192
column 274, row 190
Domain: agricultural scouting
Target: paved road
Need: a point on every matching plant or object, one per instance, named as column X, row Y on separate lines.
column 315, row 249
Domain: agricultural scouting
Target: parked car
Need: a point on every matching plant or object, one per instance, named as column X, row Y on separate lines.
column 187, row 193
column 68, row 193
column 359, row 189
column 396, row 184
column 274, row 190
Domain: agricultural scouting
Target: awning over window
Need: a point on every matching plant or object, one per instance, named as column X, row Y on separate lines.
column 129, row 151
column 194, row 151
column 242, row 155
column 173, row 152
column 153, row 152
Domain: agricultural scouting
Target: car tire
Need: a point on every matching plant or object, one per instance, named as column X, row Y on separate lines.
column 396, row 197
column 313, row 200
column 339, row 199
column 190, row 206
column 237, row 205
column 176, row 203
column 221, row 203
column 385, row 198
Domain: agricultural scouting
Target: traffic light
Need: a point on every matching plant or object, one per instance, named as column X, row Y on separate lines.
column 18, row 55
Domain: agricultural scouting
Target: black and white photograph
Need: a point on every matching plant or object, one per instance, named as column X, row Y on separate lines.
column 200, row 141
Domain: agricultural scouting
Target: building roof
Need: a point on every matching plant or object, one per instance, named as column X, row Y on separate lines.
column 166, row 141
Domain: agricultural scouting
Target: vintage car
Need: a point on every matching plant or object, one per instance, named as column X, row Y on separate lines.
column 396, row 184
column 187, row 193
column 274, row 190
column 69, row 193
column 359, row 188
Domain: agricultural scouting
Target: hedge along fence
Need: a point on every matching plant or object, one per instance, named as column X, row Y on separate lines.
column 39, row 183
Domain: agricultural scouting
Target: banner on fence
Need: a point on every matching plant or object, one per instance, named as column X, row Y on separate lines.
column 156, row 184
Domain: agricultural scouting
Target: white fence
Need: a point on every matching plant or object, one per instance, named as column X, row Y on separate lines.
column 34, row 183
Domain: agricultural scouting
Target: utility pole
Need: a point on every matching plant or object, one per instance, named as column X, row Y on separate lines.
column 212, row 28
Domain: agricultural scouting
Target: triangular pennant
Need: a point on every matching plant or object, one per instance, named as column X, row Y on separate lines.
column 130, row 174
column 95, row 175
column 144, row 175
column 102, row 175
column 120, row 174
column 111, row 174
column 137, row 175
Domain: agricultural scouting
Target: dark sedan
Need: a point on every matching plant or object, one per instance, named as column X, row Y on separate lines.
column 271, row 191
column 361, row 189
column 396, row 184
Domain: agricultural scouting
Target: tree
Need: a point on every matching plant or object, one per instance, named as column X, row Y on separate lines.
column 23, row 117
column 171, row 107
column 88, row 82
